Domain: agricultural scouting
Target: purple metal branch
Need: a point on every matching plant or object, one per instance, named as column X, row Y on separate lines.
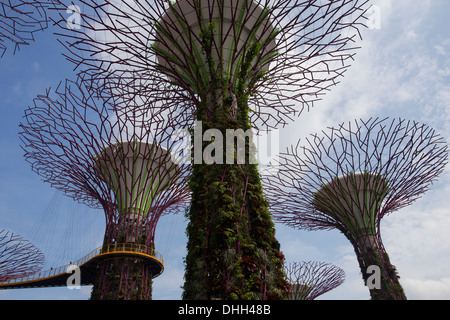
column 311, row 279
column 18, row 257
column 19, row 21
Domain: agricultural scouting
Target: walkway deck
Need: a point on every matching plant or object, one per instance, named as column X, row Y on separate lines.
column 58, row 277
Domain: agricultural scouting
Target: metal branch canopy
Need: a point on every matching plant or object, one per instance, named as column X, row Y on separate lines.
column 18, row 256
column 311, row 279
column 156, row 47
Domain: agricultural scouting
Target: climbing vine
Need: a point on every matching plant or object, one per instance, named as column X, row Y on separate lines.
column 390, row 287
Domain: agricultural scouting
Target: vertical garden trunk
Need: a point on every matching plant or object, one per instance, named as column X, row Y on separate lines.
column 232, row 249
column 379, row 275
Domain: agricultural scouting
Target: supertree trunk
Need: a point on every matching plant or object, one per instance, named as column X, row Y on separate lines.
column 231, row 237
column 356, row 199
column 122, row 279
column 232, row 249
column 376, row 269
column 107, row 160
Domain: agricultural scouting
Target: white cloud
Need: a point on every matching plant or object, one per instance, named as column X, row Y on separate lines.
column 297, row 250
column 441, row 50
column 17, row 88
column 420, row 289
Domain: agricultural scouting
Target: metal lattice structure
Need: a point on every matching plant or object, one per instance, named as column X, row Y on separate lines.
column 19, row 21
column 311, row 279
column 108, row 160
column 18, row 256
column 155, row 47
column 228, row 65
column 353, row 175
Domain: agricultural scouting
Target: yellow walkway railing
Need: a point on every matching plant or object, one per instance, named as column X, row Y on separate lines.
column 111, row 249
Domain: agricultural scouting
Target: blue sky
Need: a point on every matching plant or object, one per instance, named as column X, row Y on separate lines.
column 402, row 70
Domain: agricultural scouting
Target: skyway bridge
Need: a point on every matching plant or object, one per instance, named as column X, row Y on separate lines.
column 57, row 277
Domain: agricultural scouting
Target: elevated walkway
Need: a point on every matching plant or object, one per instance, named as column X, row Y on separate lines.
column 88, row 265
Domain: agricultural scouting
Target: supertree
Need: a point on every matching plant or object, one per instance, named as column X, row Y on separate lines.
column 18, row 256
column 107, row 160
column 235, row 66
column 20, row 20
column 350, row 178
column 311, row 279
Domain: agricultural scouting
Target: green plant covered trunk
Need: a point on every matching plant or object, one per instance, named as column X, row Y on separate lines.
column 122, row 279
column 232, row 250
column 378, row 273
column 123, row 276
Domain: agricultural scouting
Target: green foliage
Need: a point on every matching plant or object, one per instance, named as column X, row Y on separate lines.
column 232, row 249
column 391, row 288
